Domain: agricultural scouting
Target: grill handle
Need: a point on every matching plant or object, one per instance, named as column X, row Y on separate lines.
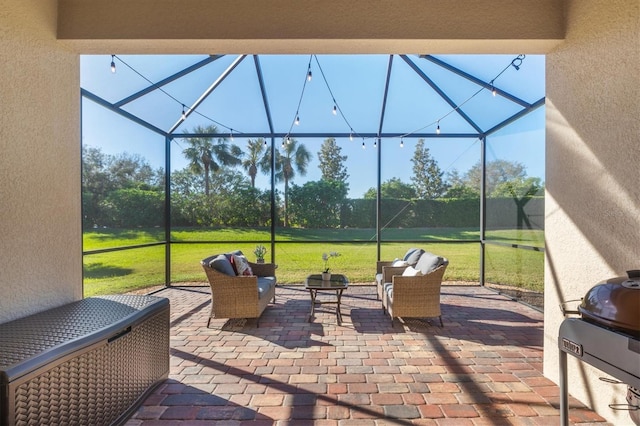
column 566, row 311
column 634, row 273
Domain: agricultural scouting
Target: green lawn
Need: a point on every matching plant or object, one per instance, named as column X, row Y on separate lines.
column 298, row 253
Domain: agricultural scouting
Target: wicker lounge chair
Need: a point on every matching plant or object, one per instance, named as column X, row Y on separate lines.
column 410, row 258
column 416, row 296
column 235, row 296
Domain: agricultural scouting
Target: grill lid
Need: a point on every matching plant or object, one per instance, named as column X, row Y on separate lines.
column 614, row 303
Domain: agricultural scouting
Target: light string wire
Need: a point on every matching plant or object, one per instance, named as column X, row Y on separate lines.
column 307, row 78
column 191, row 111
column 515, row 63
column 333, row 98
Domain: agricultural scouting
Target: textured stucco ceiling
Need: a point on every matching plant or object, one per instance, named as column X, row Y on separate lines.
column 312, row 26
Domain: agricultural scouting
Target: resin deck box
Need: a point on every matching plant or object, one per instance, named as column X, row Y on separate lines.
column 90, row 362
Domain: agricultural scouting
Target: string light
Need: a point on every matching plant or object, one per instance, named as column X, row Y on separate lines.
column 231, row 135
column 401, row 143
column 375, row 143
column 516, row 63
column 265, row 142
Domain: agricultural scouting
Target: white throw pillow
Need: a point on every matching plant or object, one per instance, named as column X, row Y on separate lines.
column 242, row 265
column 411, row 272
column 400, row 263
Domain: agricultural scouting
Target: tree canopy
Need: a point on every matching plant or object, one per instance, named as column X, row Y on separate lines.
column 124, row 190
column 207, row 155
column 503, row 178
column 393, row 188
column 332, row 162
column 427, row 176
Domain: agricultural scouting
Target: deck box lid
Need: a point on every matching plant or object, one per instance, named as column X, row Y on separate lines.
column 33, row 341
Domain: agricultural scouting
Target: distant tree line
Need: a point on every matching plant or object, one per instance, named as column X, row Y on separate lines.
column 217, row 188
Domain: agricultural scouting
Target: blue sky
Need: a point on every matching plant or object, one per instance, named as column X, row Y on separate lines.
column 355, row 83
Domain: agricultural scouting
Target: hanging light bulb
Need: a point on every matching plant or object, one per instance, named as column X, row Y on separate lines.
column 335, row 110
column 184, row 113
column 351, row 136
column 297, row 120
column 401, row 143
column 375, row 143
column 309, row 75
column 438, row 129
column 288, row 140
column 283, row 143
column 493, row 89
column 363, row 146
column 265, row 142
column 231, row 135
column 113, row 64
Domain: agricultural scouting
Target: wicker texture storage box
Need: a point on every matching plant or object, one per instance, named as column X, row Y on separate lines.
column 89, row 362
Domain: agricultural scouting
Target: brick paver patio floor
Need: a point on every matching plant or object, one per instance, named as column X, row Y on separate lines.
column 483, row 368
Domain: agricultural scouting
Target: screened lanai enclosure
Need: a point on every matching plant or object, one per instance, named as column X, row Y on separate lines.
column 364, row 155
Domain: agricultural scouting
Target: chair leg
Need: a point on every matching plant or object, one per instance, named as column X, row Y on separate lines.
column 211, row 314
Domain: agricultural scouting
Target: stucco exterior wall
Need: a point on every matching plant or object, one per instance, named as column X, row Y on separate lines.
column 40, row 234
column 592, row 227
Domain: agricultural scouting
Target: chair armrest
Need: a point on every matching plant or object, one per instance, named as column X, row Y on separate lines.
column 388, row 272
column 263, row 269
column 381, row 263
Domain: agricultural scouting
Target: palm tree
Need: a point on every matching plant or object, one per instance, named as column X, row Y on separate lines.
column 294, row 157
column 254, row 158
column 206, row 156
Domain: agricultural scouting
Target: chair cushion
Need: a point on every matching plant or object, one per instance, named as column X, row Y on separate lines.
column 379, row 278
column 429, row 262
column 221, row 264
column 388, row 289
column 264, row 285
column 411, row 272
column 412, row 256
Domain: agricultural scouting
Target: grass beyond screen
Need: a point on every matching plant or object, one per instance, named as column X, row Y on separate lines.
column 298, row 255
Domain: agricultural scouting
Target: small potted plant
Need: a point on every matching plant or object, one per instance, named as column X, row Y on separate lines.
column 326, row 273
column 260, row 251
